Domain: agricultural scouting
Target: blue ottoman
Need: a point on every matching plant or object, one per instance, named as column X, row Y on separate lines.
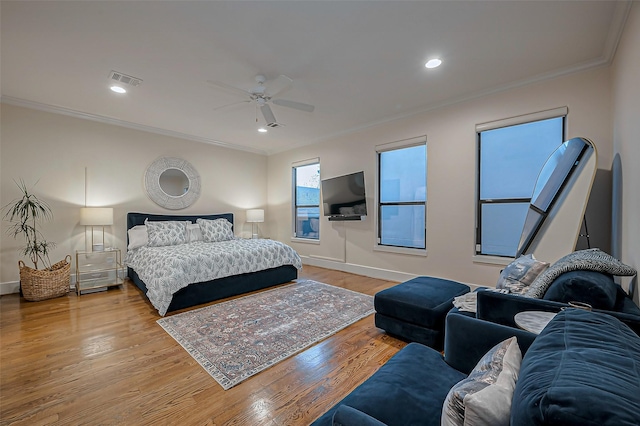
column 415, row 310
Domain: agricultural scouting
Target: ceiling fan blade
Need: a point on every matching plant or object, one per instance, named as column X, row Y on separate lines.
column 228, row 88
column 285, row 84
column 294, row 105
column 268, row 115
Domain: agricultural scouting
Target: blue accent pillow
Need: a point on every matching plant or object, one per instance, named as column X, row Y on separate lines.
column 583, row 369
column 595, row 288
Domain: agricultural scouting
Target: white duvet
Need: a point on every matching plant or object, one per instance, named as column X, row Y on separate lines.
column 165, row 270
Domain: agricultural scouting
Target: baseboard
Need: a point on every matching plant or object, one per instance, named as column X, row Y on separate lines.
column 9, row 287
column 367, row 271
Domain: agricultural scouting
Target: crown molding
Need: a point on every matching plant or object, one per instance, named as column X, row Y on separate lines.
column 9, row 100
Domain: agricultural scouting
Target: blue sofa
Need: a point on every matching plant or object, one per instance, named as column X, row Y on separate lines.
column 595, row 288
column 583, row 369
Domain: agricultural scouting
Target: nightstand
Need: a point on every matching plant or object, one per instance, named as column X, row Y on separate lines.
column 98, row 270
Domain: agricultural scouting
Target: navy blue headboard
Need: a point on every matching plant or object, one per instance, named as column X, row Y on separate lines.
column 134, row 219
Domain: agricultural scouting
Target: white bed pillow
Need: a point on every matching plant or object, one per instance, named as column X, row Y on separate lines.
column 217, row 230
column 166, row 233
column 138, row 237
column 194, row 233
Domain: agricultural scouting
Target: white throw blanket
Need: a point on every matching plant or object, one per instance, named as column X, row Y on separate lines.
column 468, row 302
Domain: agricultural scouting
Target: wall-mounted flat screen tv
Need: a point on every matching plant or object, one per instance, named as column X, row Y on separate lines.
column 343, row 197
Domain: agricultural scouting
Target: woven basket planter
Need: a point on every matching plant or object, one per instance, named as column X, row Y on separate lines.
column 41, row 284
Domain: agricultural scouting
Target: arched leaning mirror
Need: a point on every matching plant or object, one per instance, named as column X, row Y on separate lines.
column 553, row 177
column 172, row 183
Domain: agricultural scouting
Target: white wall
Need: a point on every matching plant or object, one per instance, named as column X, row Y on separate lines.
column 53, row 150
column 451, row 150
column 626, row 142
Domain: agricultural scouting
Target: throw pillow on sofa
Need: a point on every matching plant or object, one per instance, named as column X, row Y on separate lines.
column 484, row 397
column 587, row 260
column 595, row 288
column 519, row 274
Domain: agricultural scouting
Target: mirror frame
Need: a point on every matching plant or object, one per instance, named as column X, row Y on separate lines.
column 157, row 194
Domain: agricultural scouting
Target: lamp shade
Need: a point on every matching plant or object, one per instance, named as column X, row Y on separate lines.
column 96, row 216
column 255, row 215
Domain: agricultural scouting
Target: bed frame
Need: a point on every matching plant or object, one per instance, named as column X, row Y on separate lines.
column 208, row 291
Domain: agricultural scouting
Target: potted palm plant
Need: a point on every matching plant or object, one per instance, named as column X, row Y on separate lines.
column 44, row 280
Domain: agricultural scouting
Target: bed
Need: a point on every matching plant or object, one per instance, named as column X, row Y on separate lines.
column 178, row 294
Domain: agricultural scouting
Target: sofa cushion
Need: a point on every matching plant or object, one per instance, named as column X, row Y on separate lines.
column 349, row 416
column 408, row 390
column 624, row 303
column 517, row 276
column 583, row 369
column 588, row 260
column 595, row 288
column 484, row 398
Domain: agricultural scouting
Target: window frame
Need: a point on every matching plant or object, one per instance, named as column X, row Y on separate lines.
column 561, row 112
column 295, row 206
column 402, row 144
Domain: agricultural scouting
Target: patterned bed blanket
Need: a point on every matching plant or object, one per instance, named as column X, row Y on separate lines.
column 165, row 270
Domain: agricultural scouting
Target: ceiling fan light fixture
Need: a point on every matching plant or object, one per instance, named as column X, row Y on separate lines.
column 433, row 63
column 118, row 89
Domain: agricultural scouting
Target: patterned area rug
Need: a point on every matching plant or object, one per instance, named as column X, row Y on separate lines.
column 236, row 339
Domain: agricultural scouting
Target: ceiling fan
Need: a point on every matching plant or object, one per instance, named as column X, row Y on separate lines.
column 262, row 97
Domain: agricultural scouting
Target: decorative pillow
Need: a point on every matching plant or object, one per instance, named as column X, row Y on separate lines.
column 595, row 288
column 484, row 398
column 519, row 274
column 166, row 233
column 588, row 260
column 138, row 237
column 193, row 233
column 214, row 231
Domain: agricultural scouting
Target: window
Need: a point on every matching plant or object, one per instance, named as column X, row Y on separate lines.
column 511, row 154
column 402, row 195
column 306, row 196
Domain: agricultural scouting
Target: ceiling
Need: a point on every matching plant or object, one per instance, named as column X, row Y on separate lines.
column 358, row 62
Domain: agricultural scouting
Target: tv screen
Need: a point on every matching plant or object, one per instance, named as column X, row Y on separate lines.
column 344, row 196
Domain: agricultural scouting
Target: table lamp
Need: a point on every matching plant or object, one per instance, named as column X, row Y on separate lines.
column 96, row 216
column 255, row 216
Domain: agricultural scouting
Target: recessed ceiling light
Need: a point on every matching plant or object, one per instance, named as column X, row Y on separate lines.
column 433, row 63
column 118, row 89
column 262, row 130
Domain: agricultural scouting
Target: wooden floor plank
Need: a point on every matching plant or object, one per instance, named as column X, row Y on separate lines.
column 102, row 359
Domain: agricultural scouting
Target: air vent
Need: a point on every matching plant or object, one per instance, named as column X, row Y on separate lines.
column 125, row 79
column 274, row 125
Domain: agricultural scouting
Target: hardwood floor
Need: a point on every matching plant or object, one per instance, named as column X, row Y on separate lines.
column 101, row 359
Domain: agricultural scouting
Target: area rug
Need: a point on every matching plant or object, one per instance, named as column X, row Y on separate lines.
column 236, row 339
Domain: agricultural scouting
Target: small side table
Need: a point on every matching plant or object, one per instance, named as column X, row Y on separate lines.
column 533, row 321
column 97, row 270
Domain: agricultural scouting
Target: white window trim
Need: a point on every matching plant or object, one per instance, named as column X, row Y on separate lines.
column 294, row 238
column 305, row 240
column 522, row 119
column 400, row 250
column 404, row 143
